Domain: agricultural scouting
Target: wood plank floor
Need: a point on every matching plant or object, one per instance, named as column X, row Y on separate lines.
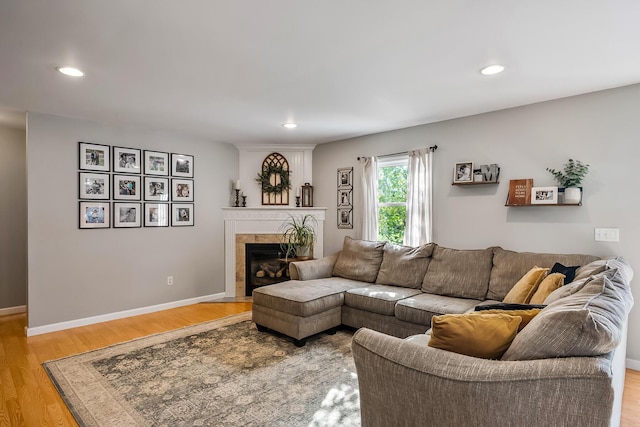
column 28, row 398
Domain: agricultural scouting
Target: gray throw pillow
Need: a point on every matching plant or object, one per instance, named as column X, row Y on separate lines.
column 359, row 260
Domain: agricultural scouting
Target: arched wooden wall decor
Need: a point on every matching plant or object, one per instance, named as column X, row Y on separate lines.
column 274, row 180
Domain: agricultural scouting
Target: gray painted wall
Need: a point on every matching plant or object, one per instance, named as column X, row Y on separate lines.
column 13, row 218
column 75, row 274
column 600, row 128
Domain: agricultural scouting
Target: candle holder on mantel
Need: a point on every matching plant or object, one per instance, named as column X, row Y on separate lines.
column 244, row 201
column 297, row 201
column 237, row 205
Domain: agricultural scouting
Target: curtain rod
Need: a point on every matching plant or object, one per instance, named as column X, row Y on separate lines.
column 432, row 149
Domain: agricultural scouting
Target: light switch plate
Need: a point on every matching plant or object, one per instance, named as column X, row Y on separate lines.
column 607, row 234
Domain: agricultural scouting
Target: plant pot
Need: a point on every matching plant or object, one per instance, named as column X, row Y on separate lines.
column 303, row 252
column 572, row 195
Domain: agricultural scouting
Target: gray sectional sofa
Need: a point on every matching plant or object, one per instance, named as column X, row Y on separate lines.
column 566, row 367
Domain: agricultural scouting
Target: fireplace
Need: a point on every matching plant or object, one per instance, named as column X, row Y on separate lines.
column 264, row 265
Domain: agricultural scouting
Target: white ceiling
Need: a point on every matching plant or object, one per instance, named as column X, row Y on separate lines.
column 235, row 70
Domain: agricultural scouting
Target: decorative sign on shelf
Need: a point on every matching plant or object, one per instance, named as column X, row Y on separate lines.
column 520, row 191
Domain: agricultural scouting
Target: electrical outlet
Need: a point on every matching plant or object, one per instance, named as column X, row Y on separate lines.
column 607, row 235
column 169, row 280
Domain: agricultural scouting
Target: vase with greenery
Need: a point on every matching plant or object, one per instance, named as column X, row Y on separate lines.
column 570, row 178
column 298, row 235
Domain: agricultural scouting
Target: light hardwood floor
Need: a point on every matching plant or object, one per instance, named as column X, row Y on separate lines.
column 28, row 398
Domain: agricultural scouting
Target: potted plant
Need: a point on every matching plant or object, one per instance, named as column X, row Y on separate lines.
column 298, row 235
column 571, row 178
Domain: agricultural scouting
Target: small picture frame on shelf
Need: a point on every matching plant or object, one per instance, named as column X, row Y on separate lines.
column 156, row 214
column 181, row 214
column 127, row 160
column 94, row 186
column 181, row 190
column 182, row 165
column 463, row 172
column 345, row 178
column 94, row 215
column 93, row 157
column 127, row 215
column 126, row 187
column 345, row 218
column 544, row 195
column 156, row 189
column 156, row 163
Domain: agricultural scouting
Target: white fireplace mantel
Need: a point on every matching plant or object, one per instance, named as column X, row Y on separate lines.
column 261, row 220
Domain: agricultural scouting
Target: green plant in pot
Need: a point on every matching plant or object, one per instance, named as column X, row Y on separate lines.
column 298, row 235
column 571, row 178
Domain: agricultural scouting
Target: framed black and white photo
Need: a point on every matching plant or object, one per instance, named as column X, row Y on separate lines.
column 181, row 214
column 156, row 214
column 345, row 178
column 93, row 157
column 156, row 163
column 345, row 218
column 182, row 165
column 463, row 172
column 127, row 215
column 126, row 187
column 156, row 189
column 127, row 160
column 94, row 186
column 182, row 190
column 544, row 195
column 95, row 214
column 344, row 198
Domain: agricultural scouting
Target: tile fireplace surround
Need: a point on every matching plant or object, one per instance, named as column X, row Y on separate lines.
column 258, row 225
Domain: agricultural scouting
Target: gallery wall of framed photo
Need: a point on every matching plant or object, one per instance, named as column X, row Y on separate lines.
column 124, row 187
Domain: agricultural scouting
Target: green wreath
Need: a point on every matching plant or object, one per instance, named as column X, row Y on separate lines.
column 264, row 179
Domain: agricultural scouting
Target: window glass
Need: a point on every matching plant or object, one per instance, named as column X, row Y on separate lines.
column 392, row 198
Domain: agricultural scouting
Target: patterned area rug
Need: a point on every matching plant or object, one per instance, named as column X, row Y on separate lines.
column 219, row 373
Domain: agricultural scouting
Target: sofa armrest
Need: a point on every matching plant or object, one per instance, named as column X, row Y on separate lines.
column 313, row 269
column 405, row 384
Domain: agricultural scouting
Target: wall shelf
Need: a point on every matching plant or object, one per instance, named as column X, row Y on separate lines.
column 542, row 205
column 463, row 184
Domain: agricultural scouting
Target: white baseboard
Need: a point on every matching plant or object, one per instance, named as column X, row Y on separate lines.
column 633, row 364
column 119, row 315
column 13, row 310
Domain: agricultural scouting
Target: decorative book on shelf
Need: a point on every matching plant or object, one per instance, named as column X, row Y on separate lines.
column 520, row 192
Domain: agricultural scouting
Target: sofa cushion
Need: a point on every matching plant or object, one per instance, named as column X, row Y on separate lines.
column 304, row 298
column 526, row 315
column 359, row 260
column 524, row 289
column 510, row 266
column 422, row 307
column 550, row 283
column 404, row 265
column 589, row 322
column 475, row 334
column 379, row 299
column 591, row 269
column 459, row 273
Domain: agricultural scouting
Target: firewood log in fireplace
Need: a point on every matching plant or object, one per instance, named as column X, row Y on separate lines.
column 268, row 270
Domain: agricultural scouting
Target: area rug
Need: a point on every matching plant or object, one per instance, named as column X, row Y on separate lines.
column 219, row 373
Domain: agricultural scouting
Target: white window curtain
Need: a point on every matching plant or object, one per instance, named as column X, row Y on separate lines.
column 419, row 198
column 369, row 183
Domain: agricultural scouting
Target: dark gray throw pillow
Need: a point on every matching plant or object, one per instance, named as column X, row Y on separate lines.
column 569, row 272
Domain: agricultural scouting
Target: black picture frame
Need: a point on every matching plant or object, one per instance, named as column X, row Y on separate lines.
column 93, row 215
column 182, row 190
column 127, row 160
column 127, row 215
column 182, row 214
column 126, row 187
column 182, row 165
column 94, row 157
column 156, row 163
column 156, row 214
column 156, row 189
column 94, row 186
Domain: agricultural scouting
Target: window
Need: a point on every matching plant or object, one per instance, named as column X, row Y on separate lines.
column 392, row 198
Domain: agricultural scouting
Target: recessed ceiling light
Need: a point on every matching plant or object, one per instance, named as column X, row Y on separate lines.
column 70, row 71
column 492, row 69
column 290, row 125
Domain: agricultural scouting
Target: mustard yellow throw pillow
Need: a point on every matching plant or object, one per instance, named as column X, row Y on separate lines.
column 522, row 292
column 550, row 283
column 526, row 315
column 475, row 334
